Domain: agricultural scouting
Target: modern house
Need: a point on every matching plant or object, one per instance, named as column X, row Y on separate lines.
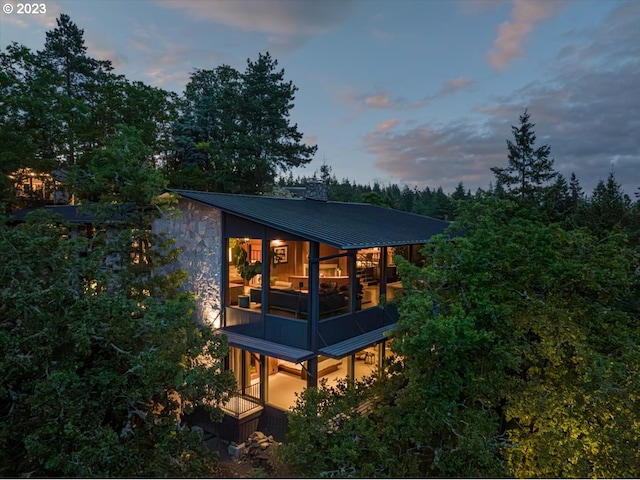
column 301, row 287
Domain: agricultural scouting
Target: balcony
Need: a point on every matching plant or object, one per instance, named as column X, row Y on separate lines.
column 244, row 402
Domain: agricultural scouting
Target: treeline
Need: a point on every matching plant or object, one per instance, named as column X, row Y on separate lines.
column 607, row 208
column 430, row 202
column 64, row 115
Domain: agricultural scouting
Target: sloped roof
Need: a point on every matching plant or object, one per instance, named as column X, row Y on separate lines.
column 73, row 213
column 355, row 344
column 265, row 347
column 69, row 213
column 339, row 224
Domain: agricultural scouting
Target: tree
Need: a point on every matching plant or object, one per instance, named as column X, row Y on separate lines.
column 510, row 359
column 26, row 119
column 522, row 350
column 235, row 129
column 101, row 354
column 460, row 193
column 60, row 106
column 327, row 437
column 77, row 79
column 609, row 210
column 557, row 202
column 529, row 169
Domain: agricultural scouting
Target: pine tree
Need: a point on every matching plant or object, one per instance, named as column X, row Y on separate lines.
column 77, row 80
column 529, row 168
column 234, row 135
column 608, row 210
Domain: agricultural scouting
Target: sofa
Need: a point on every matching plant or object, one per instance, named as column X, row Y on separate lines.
column 297, row 302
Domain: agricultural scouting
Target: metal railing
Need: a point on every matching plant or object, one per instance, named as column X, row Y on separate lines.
column 243, row 401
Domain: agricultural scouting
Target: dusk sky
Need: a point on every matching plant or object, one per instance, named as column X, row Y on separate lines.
column 417, row 92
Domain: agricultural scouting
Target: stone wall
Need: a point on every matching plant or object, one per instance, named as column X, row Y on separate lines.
column 197, row 230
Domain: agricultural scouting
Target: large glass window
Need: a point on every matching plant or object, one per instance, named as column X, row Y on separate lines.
column 393, row 283
column 368, row 274
column 287, row 286
column 334, row 284
column 284, row 380
column 244, row 271
column 367, row 361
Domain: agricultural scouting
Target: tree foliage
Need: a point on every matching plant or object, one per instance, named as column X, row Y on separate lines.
column 559, row 306
column 529, row 168
column 97, row 368
column 234, row 134
column 517, row 354
column 59, row 106
column 328, row 437
column 101, row 355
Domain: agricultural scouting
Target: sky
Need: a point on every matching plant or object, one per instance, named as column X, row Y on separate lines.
column 410, row 92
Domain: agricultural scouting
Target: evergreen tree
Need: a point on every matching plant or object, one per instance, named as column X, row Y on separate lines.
column 26, row 121
column 459, row 193
column 510, row 361
column 609, row 210
column 78, row 79
column 556, row 200
column 235, row 129
column 529, row 169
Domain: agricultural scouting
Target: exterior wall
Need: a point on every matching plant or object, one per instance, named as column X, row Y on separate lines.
column 197, row 230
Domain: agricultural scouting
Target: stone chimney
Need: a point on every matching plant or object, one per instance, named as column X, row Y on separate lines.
column 316, row 190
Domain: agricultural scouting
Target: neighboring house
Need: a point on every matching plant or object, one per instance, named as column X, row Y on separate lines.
column 39, row 188
column 318, row 306
column 70, row 214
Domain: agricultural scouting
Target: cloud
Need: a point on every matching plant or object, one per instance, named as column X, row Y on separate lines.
column 163, row 78
column 387, row 125
column 455, row 84
column 381, row 100
column 289, row 24
column 436, row 155
column 97, row 50
column 512, row 34
column 268, row 16
column 310, row 140
column 585, row 109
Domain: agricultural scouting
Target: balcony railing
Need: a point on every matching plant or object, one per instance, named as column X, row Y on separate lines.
column 243, row 401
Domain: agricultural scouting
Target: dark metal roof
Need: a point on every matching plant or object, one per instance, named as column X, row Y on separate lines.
column 265, row 347
column 72, row 213
column 355, row 344
column 339, row 224
column 69, row 213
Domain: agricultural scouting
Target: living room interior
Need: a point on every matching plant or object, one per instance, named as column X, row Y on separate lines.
column 289, row 279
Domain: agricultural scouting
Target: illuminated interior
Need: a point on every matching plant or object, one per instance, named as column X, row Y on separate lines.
column 286, row 379
column 288, row 273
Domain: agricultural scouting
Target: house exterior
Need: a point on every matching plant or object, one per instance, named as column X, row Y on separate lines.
column 316, row 301
column 35, row 188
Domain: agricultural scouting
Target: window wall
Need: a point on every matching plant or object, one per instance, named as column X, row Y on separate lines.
column 285, row 379
column 288, row 286
column 368, row 273
column 244, row 270
column 288, row 273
